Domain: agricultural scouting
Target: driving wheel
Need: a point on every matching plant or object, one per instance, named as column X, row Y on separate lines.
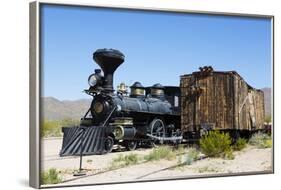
column 157, row 129
column 108, row 144
column 130, row 145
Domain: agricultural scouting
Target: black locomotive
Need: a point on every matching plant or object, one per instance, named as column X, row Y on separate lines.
column 159, row 114
column 148, row 115
column 143, row 116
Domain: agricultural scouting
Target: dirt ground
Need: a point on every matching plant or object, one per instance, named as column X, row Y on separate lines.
column 249, row 159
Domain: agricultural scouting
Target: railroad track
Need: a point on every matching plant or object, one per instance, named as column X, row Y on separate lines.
column 121, row 167
column 168, row 168
column 55, row 157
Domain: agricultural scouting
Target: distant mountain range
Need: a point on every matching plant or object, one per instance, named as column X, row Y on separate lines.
column 54, row 109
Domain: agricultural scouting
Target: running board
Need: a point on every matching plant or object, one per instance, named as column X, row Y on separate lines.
column 165, row 138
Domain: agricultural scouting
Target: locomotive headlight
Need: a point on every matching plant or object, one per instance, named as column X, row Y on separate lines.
column 92, row 80
column 98, row 107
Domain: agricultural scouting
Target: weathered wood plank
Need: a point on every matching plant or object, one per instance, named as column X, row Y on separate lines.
column 223, row 102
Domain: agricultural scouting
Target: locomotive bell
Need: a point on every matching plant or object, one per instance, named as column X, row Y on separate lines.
column 109, row 60
column 122, row 88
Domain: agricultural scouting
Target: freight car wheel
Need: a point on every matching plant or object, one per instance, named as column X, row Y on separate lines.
column 108, row 144
column 130, row 145
column 157, row 128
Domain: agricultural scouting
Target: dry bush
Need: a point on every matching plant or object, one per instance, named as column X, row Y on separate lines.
column 215, row 144
column 163, row 152
column 261, row 140
column 50, row 177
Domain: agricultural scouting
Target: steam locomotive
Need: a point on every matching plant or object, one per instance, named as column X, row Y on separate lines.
column 145, row 115
column 160, row 114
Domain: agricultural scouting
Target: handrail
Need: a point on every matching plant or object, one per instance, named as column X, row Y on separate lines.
column 112, row 111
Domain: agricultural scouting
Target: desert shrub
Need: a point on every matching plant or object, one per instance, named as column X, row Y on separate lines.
column 69, row 122
column 52, row 128
column 163, row 152
column 191, row 156
column 215, row 144
column 229, row 154
column 179, row 149
column 240, row 144
column 50, row 176
column 261, row 140
column 126, row 160
column 267, row 143
column 130, row 159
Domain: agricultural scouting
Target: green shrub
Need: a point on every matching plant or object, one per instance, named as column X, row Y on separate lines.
column 131, row 159
column 69, row 122
column 267, row 143
column 52, row 128
column 163, row 152
column 215, row 144
column 261, row 140
column 126, row 160
column 191, row 156
column 240, row 144
column 50, row 177
column 179, row 149
column 229, row 155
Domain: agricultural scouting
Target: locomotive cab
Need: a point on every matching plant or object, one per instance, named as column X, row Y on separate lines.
column 172, row 95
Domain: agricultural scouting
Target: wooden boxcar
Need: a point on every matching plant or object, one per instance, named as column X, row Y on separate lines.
column 220, row 100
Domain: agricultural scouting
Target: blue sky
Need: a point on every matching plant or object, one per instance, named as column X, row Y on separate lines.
column 158, row 47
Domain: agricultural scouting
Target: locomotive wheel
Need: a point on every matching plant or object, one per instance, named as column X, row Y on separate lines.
column 108, row 144
column 157, row 128
column 130, row 145
column 151, row 144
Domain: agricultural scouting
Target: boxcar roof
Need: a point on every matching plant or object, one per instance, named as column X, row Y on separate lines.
column 221, row 72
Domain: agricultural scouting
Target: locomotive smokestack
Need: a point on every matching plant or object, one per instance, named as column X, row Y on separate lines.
column 109, row 60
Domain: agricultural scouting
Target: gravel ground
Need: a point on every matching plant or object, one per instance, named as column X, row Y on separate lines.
column 250, row 159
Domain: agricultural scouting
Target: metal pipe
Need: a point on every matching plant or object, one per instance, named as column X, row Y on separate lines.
column 80, row 173
column 165, row 138
column 112, row 111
